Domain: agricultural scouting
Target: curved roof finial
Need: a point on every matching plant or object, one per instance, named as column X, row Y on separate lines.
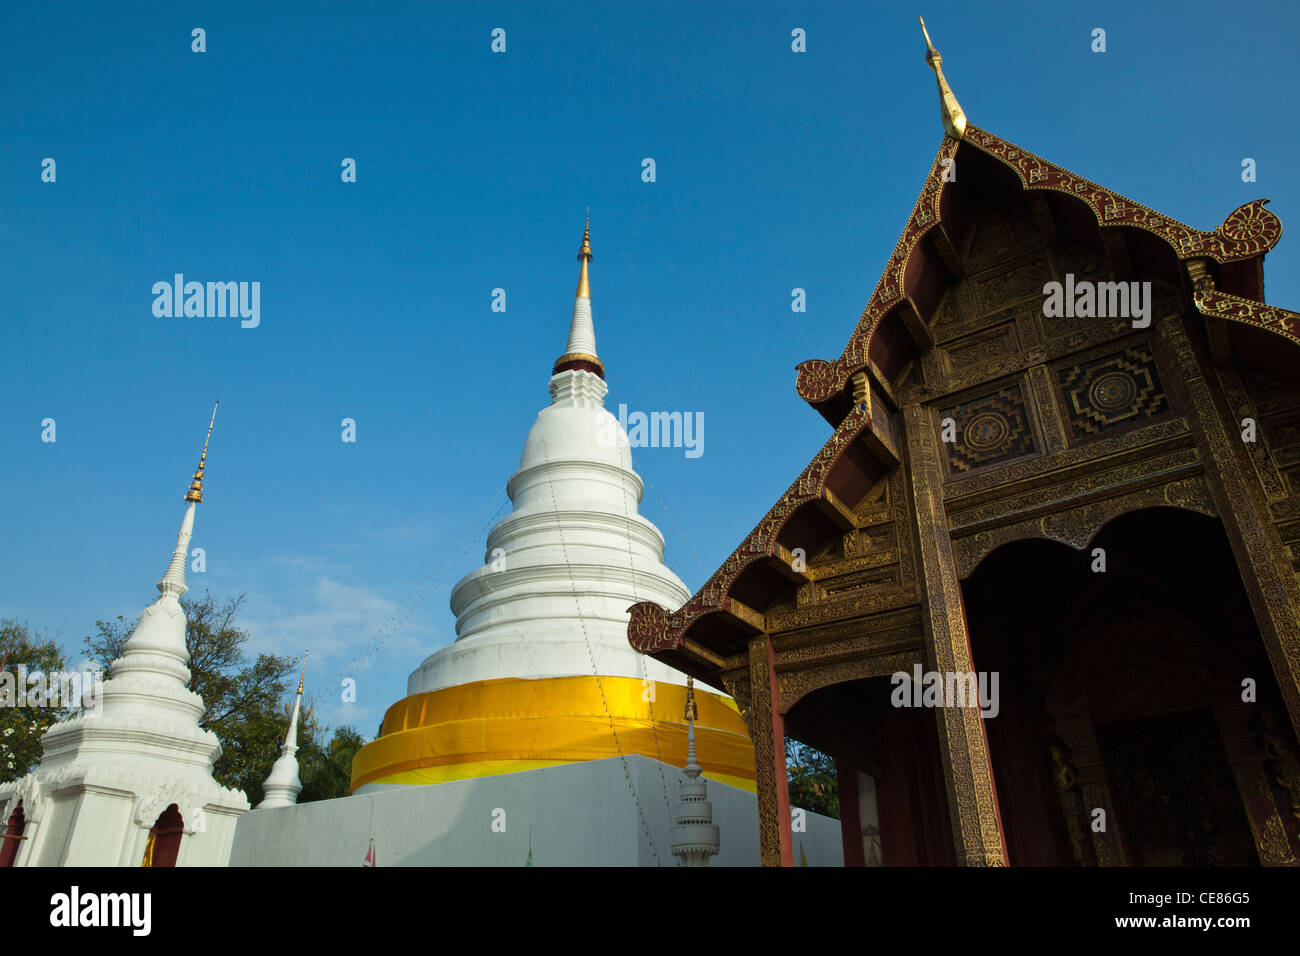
column 954, row 120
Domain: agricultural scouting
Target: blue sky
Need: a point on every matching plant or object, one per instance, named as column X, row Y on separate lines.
column 775, row 170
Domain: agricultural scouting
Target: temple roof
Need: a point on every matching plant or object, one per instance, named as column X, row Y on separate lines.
column 1218, row 273
column 1135, row 238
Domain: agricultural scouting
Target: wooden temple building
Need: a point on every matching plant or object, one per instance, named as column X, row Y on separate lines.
column 1101, row 509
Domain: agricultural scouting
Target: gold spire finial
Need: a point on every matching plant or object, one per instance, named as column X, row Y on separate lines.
column 195, row 493
column 954, row 120
column 303, row 676
column 584, row 256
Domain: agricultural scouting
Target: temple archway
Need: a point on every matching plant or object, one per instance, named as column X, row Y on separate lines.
column 13, row 836
column 164, row 843
column 893, row 804
column 1120, row 676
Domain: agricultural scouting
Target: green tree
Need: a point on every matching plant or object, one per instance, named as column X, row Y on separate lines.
column 326, row 773
column 813, row 781
column 21, row 728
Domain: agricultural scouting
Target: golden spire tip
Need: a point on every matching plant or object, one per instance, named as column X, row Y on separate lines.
column 303, row 676
column 954, row 120
column 195, row 493
column 584, row 256
column 931, row 51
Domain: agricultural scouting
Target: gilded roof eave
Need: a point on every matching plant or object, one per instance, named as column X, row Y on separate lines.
column 1248, row 232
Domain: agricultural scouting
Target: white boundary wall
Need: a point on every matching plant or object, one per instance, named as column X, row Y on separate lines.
column 579, row 815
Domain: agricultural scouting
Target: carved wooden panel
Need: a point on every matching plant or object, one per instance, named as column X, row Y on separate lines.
column 1111, row 392
column 991, row 429
column 1077, row 526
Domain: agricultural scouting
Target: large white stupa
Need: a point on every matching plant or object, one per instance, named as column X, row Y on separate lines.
column 541, row 672
column 540, row 737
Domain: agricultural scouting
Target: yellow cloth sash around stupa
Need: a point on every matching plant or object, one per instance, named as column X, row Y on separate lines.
column 508, row 725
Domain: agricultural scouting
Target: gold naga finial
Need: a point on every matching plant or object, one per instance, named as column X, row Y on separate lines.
column 303, row 676
column 195, row 493
column 584, row 256
column 954, row 120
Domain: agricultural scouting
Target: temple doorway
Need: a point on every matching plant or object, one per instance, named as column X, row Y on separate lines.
column 13, row 836
column 1123, row 737
column 1174, row 793
column 164, row 842
column 893, row 802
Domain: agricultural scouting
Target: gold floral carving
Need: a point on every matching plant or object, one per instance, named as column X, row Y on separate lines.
column 1108, row 477
column 1247, row 232
column 1077, row 526
column 1049, row 413
column 851, row 636
column 1270, row 318
column 647, row 630
column 1241, row 406
column 972, row 800
column 798, row 684
column 1105, row 453
column 763, row 730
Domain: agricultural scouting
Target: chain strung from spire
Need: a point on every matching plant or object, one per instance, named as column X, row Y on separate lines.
column 954, row 120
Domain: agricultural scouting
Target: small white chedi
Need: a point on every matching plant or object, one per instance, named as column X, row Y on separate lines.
column 282, row 785
column 695, row 835
column 130, row 779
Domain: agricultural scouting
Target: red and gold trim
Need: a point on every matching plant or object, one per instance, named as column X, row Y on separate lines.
column 579, row 361
column 1247, row 233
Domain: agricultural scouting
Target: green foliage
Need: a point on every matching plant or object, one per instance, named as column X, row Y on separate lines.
column 21, row 728
column 327, row 773
column 813, row 781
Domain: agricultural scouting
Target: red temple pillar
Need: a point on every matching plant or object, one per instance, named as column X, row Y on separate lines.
column 850, row 814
